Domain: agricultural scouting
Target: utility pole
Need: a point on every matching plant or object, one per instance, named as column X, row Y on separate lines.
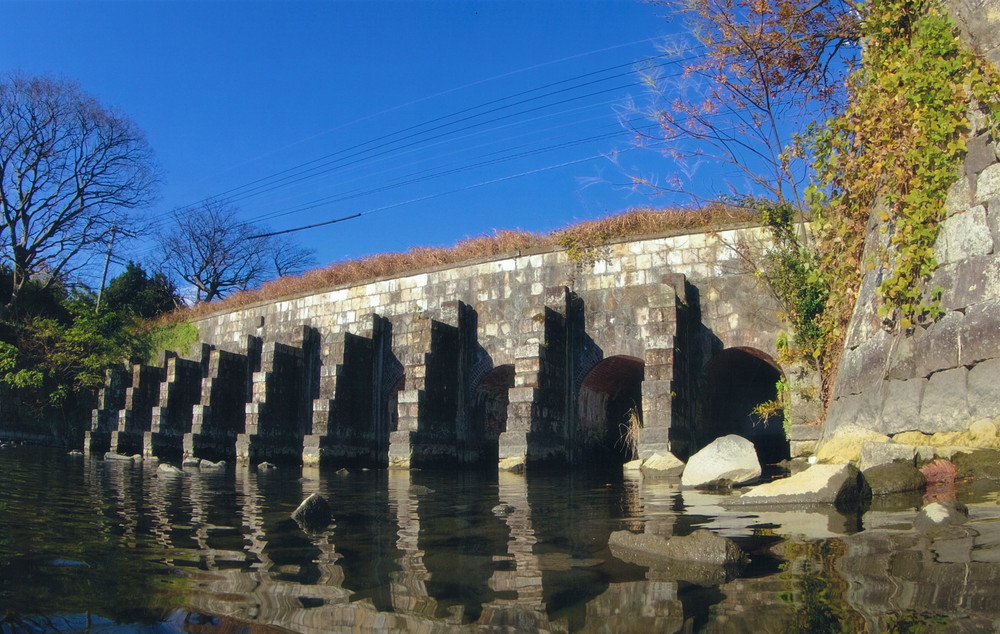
column 104, row 275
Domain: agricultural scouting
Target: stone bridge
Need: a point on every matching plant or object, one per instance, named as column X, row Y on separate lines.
column 526, row 357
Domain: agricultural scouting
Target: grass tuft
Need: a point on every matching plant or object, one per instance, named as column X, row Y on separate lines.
column 631, row 223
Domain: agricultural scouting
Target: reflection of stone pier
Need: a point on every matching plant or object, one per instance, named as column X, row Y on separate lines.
column 518, row 586
column 409, row 585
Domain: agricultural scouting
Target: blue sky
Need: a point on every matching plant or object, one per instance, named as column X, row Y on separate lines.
column 436, row 121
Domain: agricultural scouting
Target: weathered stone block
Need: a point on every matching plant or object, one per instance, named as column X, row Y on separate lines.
column 988, row 184
column 979, row 337
column 983, row 395
column 874, row 454
column 964, row 235
column 944, row 406
column 862, row 367
column 939, row 346
column 901, row 407
column 840, row 485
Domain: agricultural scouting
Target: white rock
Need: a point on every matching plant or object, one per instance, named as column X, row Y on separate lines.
column 663, row 464
column 731, row 459
column 837, row 484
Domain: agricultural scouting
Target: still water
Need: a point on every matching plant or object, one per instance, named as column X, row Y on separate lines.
column 93, row 546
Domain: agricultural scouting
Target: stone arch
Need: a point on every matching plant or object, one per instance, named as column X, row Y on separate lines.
column 608, row 396
column 490, row 400
column 734, row 381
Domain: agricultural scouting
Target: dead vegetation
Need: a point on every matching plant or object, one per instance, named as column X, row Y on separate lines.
column 593, row 233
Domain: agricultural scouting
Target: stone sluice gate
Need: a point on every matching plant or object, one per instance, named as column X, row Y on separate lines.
column 522, row 358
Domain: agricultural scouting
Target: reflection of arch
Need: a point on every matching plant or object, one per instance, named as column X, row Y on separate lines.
column 610, row 392
column 735, row 381
column 489, row 410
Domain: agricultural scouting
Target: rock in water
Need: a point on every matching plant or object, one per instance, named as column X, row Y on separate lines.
column 314, row 514
column 662, row 465
column 727, row 461
column 503, row 510
column 894, row 477
column 169, row 469
column 837, row 484
column 702, row 546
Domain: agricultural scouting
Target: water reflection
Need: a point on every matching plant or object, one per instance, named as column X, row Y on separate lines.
column 423, row 551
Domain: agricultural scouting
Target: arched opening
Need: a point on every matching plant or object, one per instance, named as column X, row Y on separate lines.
column 736, row 381
column 489, row 409
column 609, row 411
column 491, row 400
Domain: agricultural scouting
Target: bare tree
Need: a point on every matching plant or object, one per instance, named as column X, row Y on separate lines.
column 70, row 170
column 288, row 258
column 758, row 74
column 214, row 251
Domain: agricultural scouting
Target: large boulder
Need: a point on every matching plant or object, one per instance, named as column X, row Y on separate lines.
column 314, row 513
column 727, row 461
column 168, row 469
column 894, row 477
column 701, row 546
column 702, row 557
column 840, row 485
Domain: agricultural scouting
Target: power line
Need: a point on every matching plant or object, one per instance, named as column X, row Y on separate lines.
column 296, row 174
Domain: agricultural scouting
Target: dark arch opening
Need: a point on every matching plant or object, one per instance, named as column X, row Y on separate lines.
column 736, row 381
column 609, row 411
column 489, row 408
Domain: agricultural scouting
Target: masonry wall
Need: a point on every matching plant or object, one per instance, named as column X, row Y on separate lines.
column 940, row 376
column 667, row 303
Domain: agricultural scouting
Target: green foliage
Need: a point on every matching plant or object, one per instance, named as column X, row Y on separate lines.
column 896, row 148
column 140, row 294
column 586, row 249
column 52, row 363
column 792, row 270
column 176, row 337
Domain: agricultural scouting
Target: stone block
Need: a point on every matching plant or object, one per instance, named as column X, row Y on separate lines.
column 964, row 235
column 983, row 395
column 901, row 407
column 805, row 432
column 968, row 281
column 864, row 366
column 944, row 406
column 939, row 345
column 874, row 454
column 959, row 197
column 979, row 337
column 988, row 184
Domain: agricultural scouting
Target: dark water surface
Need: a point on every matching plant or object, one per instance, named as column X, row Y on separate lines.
column 95, row 546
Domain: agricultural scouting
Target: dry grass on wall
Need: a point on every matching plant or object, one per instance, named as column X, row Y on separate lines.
column 629, row 224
